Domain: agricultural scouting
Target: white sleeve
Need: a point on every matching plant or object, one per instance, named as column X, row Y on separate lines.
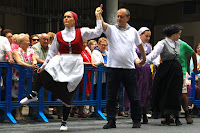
column 107, row 32
column 134, row 52
column 156, row 61
column 88, row 49
column 88, row 33
column 6, row 45
column 155, row 53
column 137, row 38
column 96, row 58
column 53, row 50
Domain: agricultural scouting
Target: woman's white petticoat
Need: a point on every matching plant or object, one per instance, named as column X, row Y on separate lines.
column 66, row 68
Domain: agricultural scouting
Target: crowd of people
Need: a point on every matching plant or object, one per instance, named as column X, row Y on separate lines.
column 125, row 52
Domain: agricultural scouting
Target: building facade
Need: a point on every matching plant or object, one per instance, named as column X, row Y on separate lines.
column 37, row 16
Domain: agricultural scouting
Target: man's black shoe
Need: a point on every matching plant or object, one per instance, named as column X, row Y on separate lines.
column 110, row 124
column 136, row 125
column 178, row 123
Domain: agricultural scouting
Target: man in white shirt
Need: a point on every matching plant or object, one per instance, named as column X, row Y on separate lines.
column 5, row 49
column 121, row 40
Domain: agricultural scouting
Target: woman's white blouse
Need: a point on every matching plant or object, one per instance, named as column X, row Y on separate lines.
column 69, row 35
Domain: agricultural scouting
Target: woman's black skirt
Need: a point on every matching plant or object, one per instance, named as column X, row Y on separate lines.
column 58, row 89
column 167, row 87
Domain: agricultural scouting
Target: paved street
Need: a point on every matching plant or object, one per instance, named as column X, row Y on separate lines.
column 92, row 125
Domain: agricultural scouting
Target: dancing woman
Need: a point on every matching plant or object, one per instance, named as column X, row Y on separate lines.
column 61, row 74
column 167, row 86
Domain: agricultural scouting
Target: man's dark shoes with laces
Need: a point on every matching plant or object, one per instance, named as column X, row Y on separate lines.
column 136, row 125
column 178, row 123
column 110, row 124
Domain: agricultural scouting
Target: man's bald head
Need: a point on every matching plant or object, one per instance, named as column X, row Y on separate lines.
column 44, row 40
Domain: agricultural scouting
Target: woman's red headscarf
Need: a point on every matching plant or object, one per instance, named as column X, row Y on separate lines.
column 75, row 17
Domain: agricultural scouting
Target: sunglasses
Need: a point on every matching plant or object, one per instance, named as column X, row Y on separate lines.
column 35, row 40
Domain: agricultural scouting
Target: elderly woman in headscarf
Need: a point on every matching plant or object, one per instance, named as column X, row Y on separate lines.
column 61, row 74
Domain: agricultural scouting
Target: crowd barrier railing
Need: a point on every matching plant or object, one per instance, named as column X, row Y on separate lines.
column 192, row 98
column 7, row 104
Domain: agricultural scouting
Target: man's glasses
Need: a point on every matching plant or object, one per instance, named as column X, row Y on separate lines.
column 35, row 40
column 103, row 45
column 45, row 39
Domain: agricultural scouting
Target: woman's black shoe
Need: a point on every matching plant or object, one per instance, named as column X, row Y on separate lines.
column 145, row 119
column 110, row 124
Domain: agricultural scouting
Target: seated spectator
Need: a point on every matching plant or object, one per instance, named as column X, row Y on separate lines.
column 23, row 56
column 40, row 50
column 51, row 36
column 8, row 34
column 15, row 44
column 92, row 44
column 99, row 57
column 34, row 39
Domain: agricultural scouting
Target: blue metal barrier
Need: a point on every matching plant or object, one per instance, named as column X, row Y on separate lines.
column 8, row 105
column 96, row 103
column 192, row 91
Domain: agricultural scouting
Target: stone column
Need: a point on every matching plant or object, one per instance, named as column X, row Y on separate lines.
column 111, row 11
